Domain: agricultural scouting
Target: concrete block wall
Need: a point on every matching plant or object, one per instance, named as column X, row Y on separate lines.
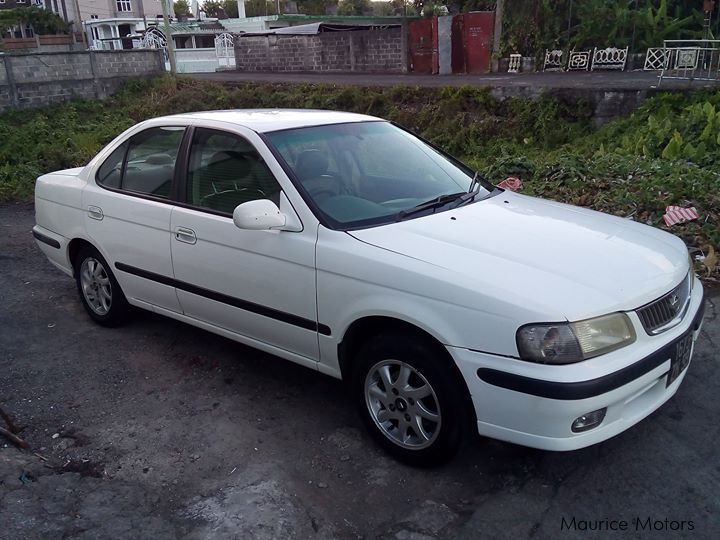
column 366, row 50
column 379, row 51
column 41, row 68
column 35, row 79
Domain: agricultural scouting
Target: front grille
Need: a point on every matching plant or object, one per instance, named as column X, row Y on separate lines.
column 659, row 315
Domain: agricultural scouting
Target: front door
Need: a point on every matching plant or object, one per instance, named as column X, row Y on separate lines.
column 127, row 213
column 258, row 284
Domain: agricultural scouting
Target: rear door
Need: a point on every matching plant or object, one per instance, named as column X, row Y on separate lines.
column 128, row 210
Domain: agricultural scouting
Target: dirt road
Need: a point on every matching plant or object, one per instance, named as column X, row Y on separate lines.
column 159, row 430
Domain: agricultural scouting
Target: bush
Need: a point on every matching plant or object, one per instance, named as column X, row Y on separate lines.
column 665, row 153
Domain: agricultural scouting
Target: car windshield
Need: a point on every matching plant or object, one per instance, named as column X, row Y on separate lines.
column 369, row 173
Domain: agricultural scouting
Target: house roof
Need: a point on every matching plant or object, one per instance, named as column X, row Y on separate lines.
column 196, row 27
column 318, row 28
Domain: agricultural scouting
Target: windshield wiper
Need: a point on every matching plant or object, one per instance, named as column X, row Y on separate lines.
column 478, row 181
column 475, row 184
column 437, row 202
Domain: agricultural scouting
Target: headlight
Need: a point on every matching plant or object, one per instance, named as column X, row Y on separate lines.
column 566, row 343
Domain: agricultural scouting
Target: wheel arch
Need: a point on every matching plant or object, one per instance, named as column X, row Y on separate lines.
column 74, row 247
column 366, row 327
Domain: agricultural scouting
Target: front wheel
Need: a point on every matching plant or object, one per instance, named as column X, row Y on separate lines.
column 99, row 291
column 410, row 398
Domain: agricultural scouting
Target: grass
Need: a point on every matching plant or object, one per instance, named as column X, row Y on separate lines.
column 667, row 152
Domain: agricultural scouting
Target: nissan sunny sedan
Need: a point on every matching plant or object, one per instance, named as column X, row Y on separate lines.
column 351, row 246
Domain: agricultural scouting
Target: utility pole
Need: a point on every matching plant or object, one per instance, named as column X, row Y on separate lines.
column 499, row 8
column 82, row 28
column 708, row 7
column 142, row 14
column 168, row 37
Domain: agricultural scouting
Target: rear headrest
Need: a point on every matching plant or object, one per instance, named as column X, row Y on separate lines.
column 159, row 159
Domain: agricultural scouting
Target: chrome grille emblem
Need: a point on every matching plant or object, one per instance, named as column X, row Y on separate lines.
column 668, row 310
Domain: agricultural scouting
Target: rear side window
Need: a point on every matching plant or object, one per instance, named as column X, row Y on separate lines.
column 145, row 164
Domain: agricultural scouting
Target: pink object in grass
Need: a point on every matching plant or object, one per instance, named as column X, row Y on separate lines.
column 511, row 183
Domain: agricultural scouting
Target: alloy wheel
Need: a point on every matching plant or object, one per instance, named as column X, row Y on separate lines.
column 96, row 287
column 403, row 404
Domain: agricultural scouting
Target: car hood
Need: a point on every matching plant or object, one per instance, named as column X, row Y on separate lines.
column 560, row 260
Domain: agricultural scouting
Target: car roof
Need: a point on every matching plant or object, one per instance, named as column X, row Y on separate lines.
column 267, row 120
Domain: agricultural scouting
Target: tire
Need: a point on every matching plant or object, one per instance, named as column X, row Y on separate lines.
column 422, row 418
column 99, row 291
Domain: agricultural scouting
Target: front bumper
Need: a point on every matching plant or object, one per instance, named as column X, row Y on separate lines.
column 534, row 405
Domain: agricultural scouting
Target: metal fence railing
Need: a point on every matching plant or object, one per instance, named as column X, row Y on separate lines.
column 697, row 60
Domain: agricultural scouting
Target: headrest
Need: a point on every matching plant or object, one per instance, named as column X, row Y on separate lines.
column 311, row 164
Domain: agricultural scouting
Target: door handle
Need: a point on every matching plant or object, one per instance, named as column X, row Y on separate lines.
column 95, row 212
column 183, row 234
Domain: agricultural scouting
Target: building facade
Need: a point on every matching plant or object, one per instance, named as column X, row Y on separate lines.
column 110, row 24
column 106, row 23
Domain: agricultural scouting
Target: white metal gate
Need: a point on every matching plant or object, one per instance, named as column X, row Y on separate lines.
column 697, row 60
column 225, row 50
column 154, row 39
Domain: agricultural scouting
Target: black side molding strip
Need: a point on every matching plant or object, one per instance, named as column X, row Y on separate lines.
column 265, row 311
column 46, row 240
column 593, row 387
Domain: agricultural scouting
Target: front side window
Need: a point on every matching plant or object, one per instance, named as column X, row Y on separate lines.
column 225, row 170
column 368, row 173
column 145, row 164
column 110, row 172
column 124, row 5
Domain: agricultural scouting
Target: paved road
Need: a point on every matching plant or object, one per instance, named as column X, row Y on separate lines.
column 633, row 80
column 165, row 431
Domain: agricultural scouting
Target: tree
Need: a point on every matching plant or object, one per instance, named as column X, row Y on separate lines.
column 212, row 8
column 181, row 9
column 40, row 20
column 223, row 9
column 354, row 7
column 383, row 9
column 231, row 8
column 314, row 7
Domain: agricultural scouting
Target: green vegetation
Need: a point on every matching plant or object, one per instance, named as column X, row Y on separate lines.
column 181, row 8
column 666, row 153
column 531, row 26
column 41, row 20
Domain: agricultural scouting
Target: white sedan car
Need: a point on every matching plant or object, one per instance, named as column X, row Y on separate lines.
column 348, row 245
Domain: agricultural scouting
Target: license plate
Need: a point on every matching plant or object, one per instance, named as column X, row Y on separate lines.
column 680, row 358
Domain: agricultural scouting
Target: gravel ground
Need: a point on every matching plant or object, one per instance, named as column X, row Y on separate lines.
column 159, row 430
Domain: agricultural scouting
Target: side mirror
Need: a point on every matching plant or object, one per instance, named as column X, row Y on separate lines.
column 258, row 215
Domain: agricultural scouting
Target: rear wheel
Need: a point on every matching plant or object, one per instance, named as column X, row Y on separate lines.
column 99, row 291
column 410, row 398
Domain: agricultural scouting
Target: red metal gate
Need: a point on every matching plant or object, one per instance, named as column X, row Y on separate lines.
column 457, row 43
column 478, row 28
column 423, row 46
